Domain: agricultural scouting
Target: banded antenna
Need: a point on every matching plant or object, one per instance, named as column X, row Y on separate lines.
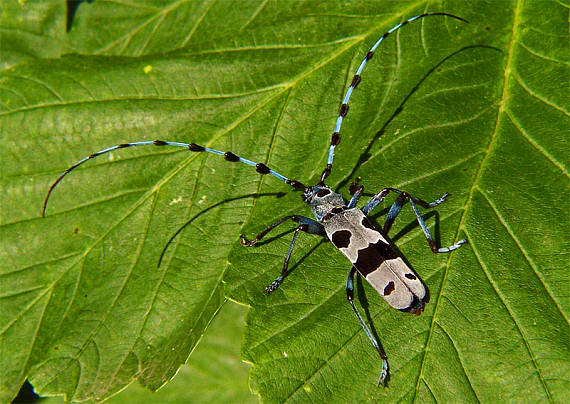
column 229, row 156
column 335, row 138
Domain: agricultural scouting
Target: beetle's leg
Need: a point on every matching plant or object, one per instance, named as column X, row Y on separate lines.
column 379, row 197
column 397, row 207
column 432, row 244
column 375, row 200
column 308, row 226
column 250, row 243
column 275, row 284
column 356, row 192
column 350, row 297
column 313, row 227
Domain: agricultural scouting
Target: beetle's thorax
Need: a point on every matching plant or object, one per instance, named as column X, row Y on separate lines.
column 322, row 200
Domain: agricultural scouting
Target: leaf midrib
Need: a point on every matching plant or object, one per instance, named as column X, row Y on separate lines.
column 500, row 113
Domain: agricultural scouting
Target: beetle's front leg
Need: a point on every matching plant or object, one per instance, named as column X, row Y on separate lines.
column 306, row 225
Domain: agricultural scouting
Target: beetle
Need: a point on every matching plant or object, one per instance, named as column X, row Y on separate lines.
column 344, row 224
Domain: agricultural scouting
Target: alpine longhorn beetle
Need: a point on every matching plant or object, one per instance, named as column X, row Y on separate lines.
column 343, row 223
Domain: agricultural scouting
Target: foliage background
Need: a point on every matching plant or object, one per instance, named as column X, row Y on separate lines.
column 479, row 110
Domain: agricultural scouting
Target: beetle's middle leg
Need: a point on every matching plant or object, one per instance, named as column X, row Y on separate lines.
column 397, row 207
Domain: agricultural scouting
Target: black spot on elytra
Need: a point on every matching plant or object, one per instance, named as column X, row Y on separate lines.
column 411, row 276
column 366, row 223
column 323, row 192
column 333, row 212
column 389, row 288
column 341, row 238
column 370, row 258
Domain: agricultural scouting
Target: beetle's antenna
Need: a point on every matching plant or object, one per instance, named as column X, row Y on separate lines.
column 335, row 138
column 229, row 156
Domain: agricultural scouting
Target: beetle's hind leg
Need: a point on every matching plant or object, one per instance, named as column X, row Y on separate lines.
column 350, row 297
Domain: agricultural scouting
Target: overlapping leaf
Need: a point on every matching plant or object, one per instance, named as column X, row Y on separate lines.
column 215, row 373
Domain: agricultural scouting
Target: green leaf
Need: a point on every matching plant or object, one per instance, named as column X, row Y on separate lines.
column 489, row 127
column 476, row 110
column 31, row 29
column 214, row 374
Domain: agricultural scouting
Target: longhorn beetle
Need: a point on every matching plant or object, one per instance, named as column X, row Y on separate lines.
column 343, row 223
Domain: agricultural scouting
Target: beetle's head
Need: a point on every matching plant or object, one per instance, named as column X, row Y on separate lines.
column 316, row 194
column 322, row 200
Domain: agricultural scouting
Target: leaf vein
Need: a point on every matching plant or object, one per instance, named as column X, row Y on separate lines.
column 504, row 98
column 459, row 359
column 255, row 14
column 538, row 147
column 439, row 171
column 101, row 323
column 276, row 47
column 539, row 97
column 150, row 35
column 128, row 35
column 198, row 22
column 528, row 259
column 541, row 56
column 35, row 337
column 428, row 127
column 41, row 83
column 20, row 314
column 511, row 315
column 36, row 264
column 146, row 98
